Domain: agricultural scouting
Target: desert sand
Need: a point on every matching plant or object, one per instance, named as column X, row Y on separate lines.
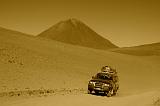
column 30, row 63
column 142, row 50
column 144, row 99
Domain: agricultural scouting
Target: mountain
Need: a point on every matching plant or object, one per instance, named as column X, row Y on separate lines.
column 6, row 32
column 75, row 32
column 142, row 50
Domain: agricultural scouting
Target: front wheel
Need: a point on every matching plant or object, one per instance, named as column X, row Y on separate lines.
column 110, row 93
column 89, row 92
column 114, row 92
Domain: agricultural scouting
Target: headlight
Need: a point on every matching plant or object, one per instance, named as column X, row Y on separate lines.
column 106, row 85
column 93, row 83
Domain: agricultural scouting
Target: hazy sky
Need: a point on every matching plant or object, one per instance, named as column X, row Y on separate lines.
column 124, row 22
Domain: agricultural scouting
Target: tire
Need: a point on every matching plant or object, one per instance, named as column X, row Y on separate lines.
column 114, row 93
column 109, row 94
column 89, row 92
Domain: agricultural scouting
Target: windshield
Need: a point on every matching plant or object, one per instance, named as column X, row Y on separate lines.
column 103, row 76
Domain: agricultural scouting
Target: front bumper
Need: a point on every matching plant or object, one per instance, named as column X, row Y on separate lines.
column 100, row 88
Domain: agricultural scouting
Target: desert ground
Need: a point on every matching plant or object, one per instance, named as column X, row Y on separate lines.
column 35, row 71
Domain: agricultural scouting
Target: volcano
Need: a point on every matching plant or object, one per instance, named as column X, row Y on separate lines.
column 73, row 31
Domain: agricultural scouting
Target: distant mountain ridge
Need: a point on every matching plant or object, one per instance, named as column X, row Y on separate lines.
column 75, row 32
column 6, row 31
column 142, row 50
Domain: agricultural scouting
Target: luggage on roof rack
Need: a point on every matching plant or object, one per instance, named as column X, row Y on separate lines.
column 109, row 70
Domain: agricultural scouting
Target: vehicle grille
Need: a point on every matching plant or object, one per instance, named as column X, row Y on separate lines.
column 98, row 85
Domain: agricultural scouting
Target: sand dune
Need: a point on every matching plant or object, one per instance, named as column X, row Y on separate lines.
column 75, row 32
column 42, row 62
column 143, row 50
column 33, row 63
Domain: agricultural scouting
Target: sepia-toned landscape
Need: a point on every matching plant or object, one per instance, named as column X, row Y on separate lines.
column 53, row 67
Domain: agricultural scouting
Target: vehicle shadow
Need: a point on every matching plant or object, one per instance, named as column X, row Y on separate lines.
column 98, row 94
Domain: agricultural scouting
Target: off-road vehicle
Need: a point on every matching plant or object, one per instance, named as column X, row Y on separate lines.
column 104, row 82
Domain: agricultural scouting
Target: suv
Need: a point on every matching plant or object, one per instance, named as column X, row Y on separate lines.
column 104, row 82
